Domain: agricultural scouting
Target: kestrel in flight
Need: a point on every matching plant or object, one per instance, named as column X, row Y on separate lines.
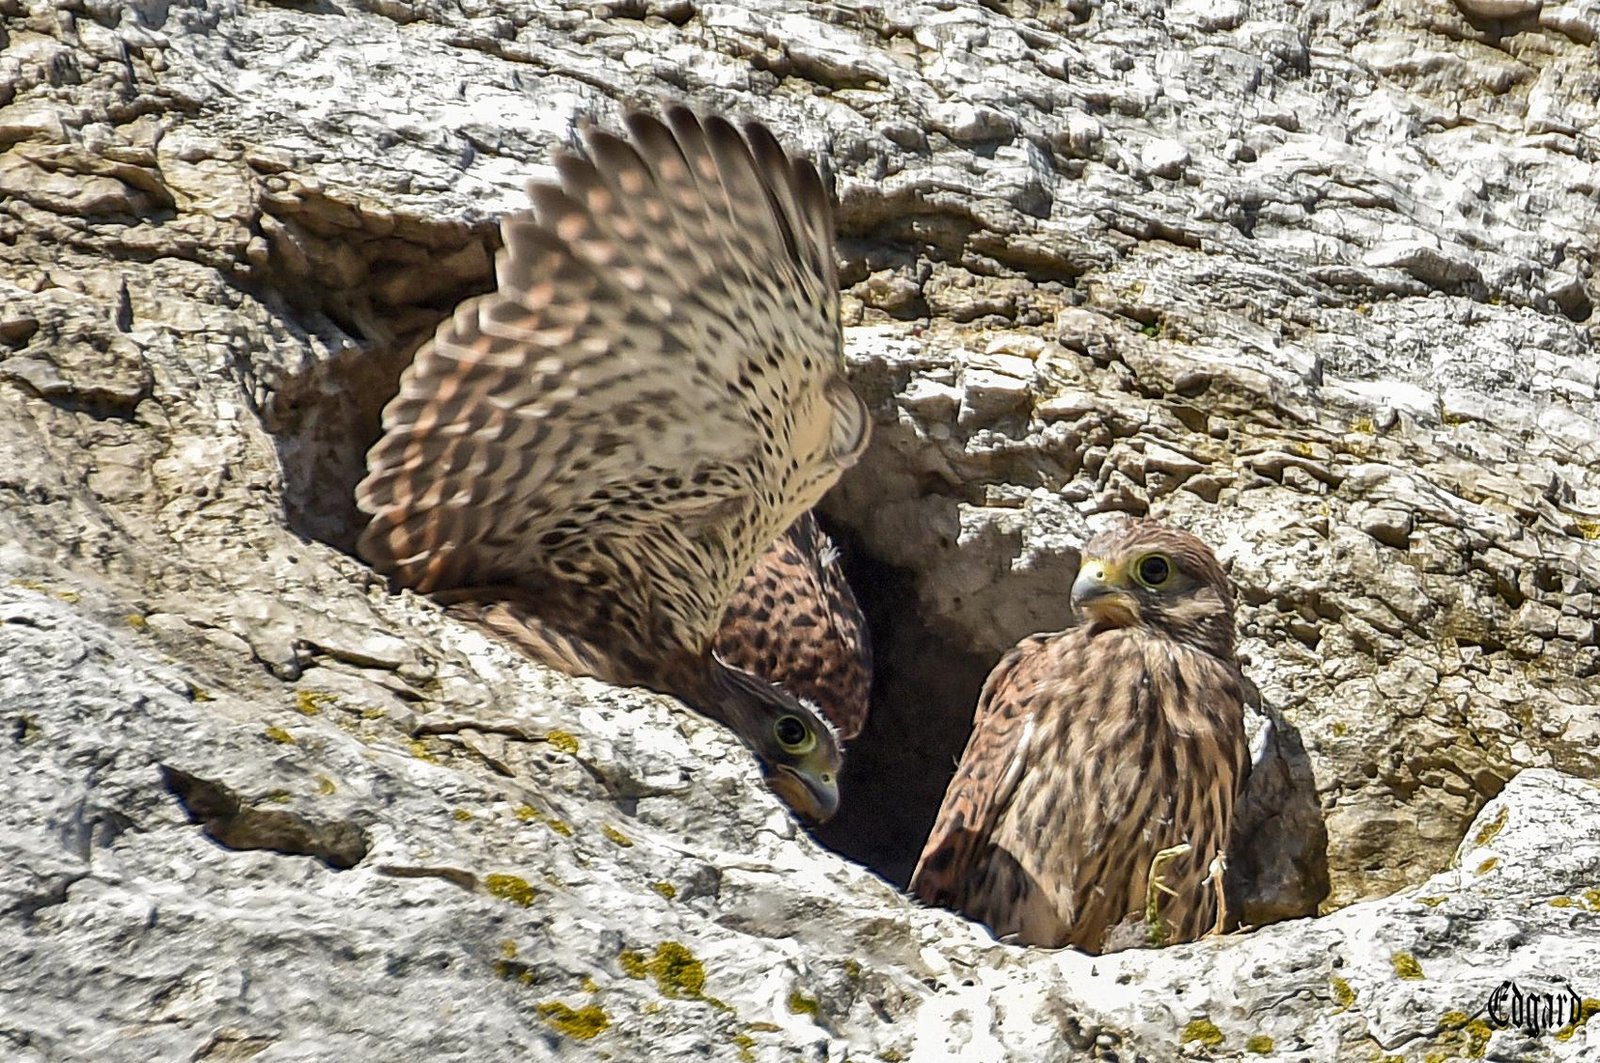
column 590, row 458
column 1097, row 788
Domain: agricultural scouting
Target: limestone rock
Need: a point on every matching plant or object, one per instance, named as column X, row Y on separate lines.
column 1411, row 975
column 1317, row 285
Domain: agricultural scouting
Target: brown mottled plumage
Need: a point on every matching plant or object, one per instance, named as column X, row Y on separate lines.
column 794, row 622
column 589, row 459
column 1096, row 749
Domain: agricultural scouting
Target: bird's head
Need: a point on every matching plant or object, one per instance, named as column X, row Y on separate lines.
column 1149, row 575
column 798, row 750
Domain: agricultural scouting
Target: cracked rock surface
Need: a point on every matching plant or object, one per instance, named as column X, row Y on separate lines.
column 1314, row 282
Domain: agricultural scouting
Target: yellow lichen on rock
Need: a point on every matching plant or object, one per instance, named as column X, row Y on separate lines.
column 1406, row 966
column 1201, row 1031
column 1489, row 830
column 312, row 702
column 1343, row 995
column 562, row 740
column 676, row 971
column 510, row 888
column 801, row 1004
column 582, row 1024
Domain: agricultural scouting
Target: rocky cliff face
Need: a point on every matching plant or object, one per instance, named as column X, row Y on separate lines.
column 1314, row 283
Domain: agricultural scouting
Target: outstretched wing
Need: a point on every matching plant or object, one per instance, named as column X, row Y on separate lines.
column 652, row 394
column 794, row 622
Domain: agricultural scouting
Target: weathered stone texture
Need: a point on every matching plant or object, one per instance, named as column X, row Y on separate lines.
column 1315, row 281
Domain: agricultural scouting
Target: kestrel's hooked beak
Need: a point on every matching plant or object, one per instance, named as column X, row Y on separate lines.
column 813, row 794
column 1101, row 592
column 796, row 747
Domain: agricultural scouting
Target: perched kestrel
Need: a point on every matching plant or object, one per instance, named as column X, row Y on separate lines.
column 1097, row 788
column 795, row 622
column 590, row 458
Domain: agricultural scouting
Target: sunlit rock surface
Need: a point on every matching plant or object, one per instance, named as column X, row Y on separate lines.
column 1316, row 284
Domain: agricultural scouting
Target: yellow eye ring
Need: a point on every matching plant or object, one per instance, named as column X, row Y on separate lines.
column 1153, row 570
column 794, row 736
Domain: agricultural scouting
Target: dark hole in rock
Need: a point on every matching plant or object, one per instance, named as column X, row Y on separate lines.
column 925, row 685
column 923, row 693
column 233, row 824
column 928, row 675
column 364, row 299
column 323, row 423
column 1277, row 863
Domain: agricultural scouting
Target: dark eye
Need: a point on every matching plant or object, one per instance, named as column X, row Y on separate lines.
column 1153, row 570
column 793, row 734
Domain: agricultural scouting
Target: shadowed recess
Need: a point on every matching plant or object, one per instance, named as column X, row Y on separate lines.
column 925, row 685
column 924, row 688
column 324, row 419
column 233, row 824
column 923, row 693
column 323, row 423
